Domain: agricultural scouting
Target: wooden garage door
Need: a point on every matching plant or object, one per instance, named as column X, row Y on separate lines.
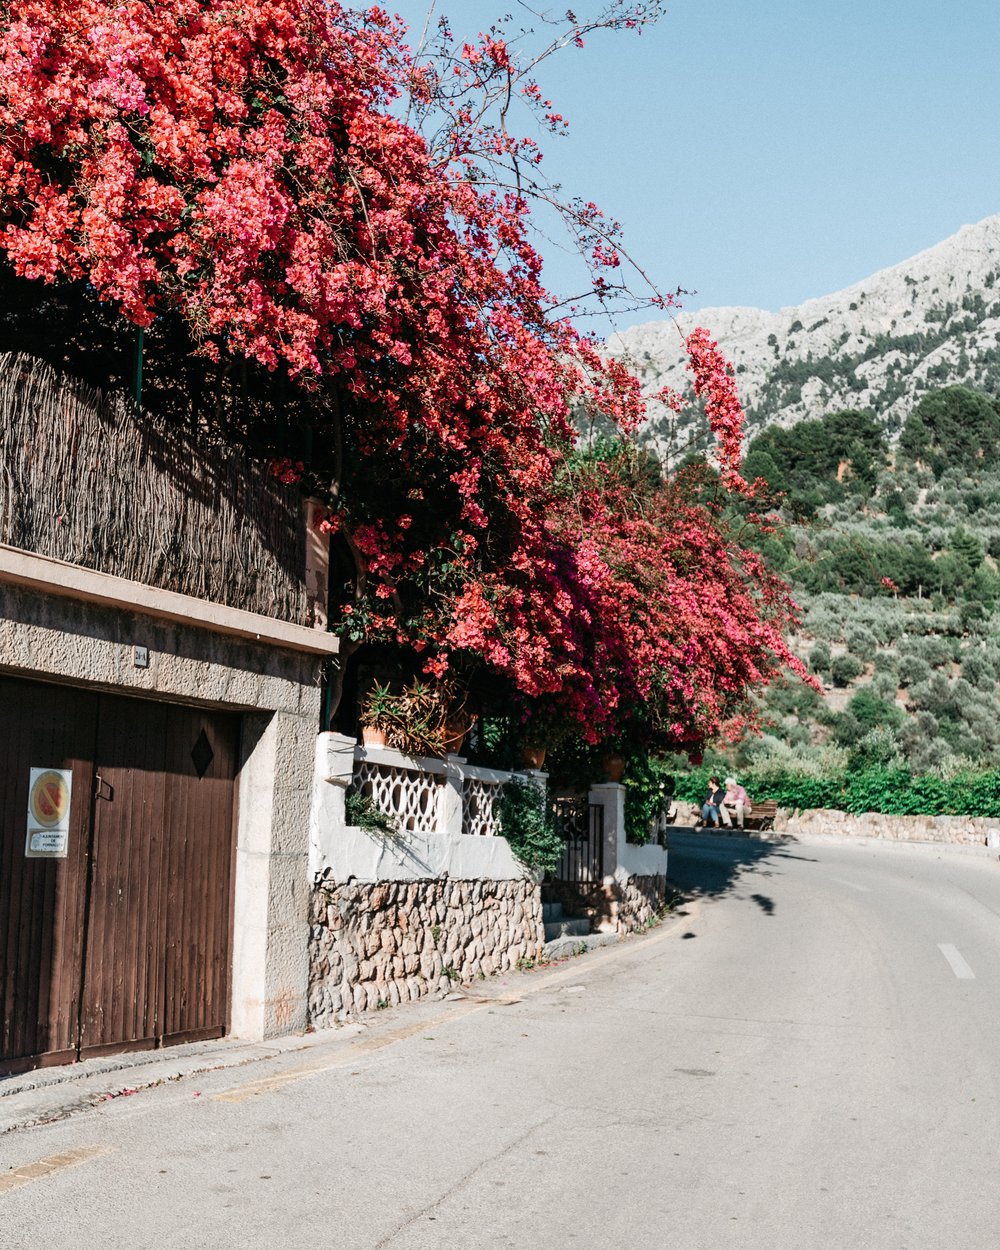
column 129, row 938
column 42, row 900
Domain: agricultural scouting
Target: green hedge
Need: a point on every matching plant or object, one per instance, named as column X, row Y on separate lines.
column 896, row 792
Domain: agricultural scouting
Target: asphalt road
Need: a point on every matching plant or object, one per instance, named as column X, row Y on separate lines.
column 809, row 1057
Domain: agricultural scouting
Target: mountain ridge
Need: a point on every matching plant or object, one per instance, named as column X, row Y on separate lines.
column 929, row 321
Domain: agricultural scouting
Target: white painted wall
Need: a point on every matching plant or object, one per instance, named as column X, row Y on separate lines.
column 622, row 859
column 343, row 851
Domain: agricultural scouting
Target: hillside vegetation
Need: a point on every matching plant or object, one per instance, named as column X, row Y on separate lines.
column 892, row 551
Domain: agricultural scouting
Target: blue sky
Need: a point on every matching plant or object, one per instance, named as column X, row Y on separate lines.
column 763, row 153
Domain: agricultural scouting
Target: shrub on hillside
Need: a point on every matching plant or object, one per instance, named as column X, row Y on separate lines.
column 922, row 744
column 933, row 695
column 933, row 649
column 913, row 670
column 863, row 644
column 871, row 711
column 844, row 669
column 878, row 748
column 885, row 686
column 845, row 729
column 976, row 667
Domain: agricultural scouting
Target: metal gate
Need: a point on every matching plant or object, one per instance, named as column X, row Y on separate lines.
column 581, row 825
column 125, row 943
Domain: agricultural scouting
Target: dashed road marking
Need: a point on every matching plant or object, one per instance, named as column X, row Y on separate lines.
column 958, row 965
column 864, row 889
column 45, row 1167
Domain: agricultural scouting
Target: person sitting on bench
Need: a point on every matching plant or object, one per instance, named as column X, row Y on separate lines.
column 734, row 800
column 711, row 807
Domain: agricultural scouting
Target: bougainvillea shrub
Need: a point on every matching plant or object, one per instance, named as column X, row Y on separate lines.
column 252, row 169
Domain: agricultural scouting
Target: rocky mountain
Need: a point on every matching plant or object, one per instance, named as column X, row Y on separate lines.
column 932, row 321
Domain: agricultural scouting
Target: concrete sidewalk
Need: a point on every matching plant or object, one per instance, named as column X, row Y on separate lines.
column 47, row 1094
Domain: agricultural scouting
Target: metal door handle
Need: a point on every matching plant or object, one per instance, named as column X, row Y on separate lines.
column 99, row 792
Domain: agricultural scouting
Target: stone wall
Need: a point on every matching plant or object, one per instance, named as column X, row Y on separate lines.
column 967, row 830
column 388, row 942
column 578, row 898
column 640, row 902
column 626, row 903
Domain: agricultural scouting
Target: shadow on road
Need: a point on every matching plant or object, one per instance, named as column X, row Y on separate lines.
column 710, row 867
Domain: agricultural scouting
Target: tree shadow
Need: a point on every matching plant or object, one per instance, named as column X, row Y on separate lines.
column 703, row 866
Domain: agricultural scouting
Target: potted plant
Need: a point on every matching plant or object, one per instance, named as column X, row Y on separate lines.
column 613, row 763
column 377, row 715
column 542, row 730
column 419, row 727
column 532, row 755
column 419, row 719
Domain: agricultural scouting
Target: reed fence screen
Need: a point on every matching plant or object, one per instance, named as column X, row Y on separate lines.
column 84, row 478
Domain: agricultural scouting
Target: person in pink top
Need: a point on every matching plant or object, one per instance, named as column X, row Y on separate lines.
column 735, row 800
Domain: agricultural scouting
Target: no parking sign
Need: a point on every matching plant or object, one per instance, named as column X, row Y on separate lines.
column 50, row 796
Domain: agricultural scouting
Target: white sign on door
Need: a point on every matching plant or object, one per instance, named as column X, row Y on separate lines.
column 50, row 797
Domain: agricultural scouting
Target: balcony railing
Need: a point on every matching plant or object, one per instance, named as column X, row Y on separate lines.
column 430, row 796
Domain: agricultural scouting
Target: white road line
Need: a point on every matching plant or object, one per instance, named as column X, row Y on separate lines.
column 853, row 885
column 958, row 965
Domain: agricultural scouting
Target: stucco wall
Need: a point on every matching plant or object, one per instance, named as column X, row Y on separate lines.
column 58, row 638
column 70, row 640
column 344, row 852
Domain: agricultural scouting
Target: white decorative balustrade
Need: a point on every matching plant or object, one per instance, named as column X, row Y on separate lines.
column 402, row 787
column 480, row 799
column 430, row 796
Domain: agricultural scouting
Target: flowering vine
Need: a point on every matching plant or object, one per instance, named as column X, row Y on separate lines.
column 305, row 193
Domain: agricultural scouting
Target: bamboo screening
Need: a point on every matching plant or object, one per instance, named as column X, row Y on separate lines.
column 87, row 479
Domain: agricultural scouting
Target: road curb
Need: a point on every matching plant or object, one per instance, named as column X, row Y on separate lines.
column 780, row 838
column 49, row 1094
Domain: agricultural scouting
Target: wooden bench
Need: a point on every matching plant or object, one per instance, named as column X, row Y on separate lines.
column 759, row 819
column 762, row 815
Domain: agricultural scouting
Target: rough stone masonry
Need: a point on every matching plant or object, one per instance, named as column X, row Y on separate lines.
column 379, row 944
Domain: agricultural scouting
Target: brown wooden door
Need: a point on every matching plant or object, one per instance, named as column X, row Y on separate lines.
column 158, row 938
column 126, row 943
column 42, row 900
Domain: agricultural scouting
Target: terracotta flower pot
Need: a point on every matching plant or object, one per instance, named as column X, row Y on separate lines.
column 454, row 735
column 532, row 757
column 372, row 737
column 614, row 766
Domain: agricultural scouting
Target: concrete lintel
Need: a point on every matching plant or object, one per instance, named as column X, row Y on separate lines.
column 57, row 577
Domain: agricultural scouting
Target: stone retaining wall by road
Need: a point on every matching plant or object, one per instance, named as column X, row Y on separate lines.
column 640, row 902
column 636, row 901
column 967, row 830
column 378, row 944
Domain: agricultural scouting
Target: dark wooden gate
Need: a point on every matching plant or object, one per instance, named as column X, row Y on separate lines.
column 581, row 825
column 125, row 943
column 42, row 900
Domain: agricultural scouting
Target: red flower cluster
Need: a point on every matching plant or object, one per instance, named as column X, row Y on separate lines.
column 246, row 166
column 630, row 604
column 715, row 385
